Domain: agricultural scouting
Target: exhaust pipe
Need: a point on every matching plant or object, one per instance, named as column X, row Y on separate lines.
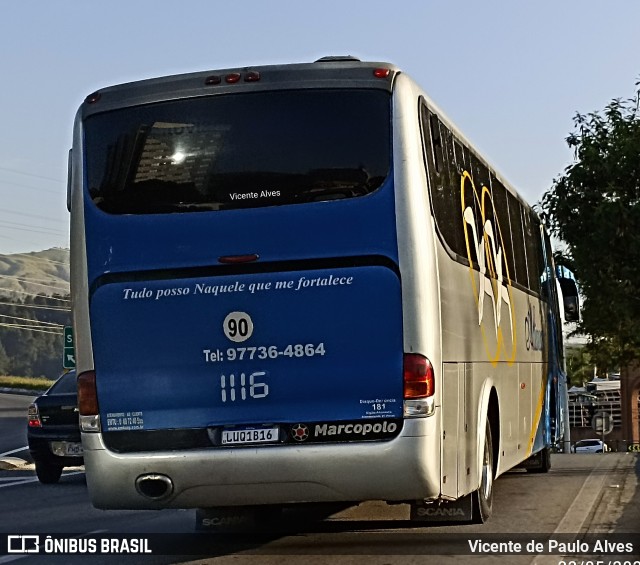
column 154, row 487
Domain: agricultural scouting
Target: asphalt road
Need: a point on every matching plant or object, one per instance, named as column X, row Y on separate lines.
column 595, row 494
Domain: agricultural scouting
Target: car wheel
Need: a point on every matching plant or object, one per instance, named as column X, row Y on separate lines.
column 483, row 498
column 48, row 473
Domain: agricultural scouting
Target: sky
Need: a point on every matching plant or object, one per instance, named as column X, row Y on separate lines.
column 510, row 74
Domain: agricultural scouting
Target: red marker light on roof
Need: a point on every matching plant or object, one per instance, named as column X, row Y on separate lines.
column 213, row 79
column 232, row 78
column 381, row 73
column 92, row 98
column 252, row 76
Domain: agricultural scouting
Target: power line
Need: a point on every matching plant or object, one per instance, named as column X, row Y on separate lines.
column 33, row 258
column 18, row 305
column 12, row 184
column 26, row 227
column 37, row 216
column 46, row 285
column 28, row 328
column 39, row 322
column 32, row 294
column 29, row 174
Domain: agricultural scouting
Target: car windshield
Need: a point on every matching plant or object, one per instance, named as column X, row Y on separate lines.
column 239, row 151
column 65, row 384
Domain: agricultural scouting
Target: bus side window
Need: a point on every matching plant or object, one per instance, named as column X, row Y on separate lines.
column 533, row 245
column 519, row 254
column 503, row 223
column 436, row 143
column 444, row 184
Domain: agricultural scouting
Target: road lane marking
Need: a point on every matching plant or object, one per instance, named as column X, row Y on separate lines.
column 17, row 482
column 580, row 509
column 15, row 451
column 9, row 558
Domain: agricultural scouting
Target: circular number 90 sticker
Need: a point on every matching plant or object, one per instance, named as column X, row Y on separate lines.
column 238, row 326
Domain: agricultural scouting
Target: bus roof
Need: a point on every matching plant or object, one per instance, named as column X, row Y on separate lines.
column 327, row 72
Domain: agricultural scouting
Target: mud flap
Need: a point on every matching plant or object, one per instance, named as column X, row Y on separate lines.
column 532, row 462
column 538, row 462
column 229, row 519
column 460, row 510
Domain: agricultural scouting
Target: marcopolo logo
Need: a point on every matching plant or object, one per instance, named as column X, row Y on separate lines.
column 355, row 430
column 345, row 431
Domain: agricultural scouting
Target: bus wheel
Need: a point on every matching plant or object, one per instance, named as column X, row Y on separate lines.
column 483, row 497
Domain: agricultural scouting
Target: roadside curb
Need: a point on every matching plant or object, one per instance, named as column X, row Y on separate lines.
column 11, row 463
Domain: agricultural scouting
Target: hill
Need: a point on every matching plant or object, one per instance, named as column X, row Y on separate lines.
column 39, row 272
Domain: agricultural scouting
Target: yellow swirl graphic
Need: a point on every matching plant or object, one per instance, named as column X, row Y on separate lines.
column 493, row 277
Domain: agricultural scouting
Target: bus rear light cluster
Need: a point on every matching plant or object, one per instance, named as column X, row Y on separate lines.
column 88, row 402
column 419, row 387
column 381, row 73
column 418, row 377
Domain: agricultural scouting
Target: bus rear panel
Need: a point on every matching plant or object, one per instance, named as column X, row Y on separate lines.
column 244, row 318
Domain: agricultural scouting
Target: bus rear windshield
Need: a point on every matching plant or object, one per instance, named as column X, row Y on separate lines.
column 239, row 151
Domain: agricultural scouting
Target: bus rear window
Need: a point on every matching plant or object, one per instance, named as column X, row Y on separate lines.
column 239, row 151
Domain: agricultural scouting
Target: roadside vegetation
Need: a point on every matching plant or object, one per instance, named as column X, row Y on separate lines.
column 26, row 383
column 594, row 208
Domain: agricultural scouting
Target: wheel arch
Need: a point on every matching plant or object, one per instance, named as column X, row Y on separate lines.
column 490, row 411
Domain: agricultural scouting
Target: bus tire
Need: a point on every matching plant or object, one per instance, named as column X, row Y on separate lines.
column 482, row 498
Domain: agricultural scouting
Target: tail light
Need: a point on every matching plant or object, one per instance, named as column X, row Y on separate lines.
column 418, row 377
column 419, row 387
column 34, row 416
column 88, row 402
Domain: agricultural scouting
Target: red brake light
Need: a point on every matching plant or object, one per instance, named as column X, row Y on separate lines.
column 252, row 76
column 87, row 394
column 381, row 73
column 418, row 377
column 213, row 79
column 34, row 417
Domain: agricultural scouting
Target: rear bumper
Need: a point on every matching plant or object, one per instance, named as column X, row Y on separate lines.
column 40, row 446
column 405, row 468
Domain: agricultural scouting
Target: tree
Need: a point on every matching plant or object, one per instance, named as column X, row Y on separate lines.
column 594, row 207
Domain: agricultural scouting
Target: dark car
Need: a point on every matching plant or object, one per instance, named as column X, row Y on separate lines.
column 53, row 431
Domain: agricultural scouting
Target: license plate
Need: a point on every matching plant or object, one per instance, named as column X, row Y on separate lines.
column 243, row 436
column 66, row 448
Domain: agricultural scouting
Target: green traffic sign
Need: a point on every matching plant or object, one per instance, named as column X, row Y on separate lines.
column 69, row 354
